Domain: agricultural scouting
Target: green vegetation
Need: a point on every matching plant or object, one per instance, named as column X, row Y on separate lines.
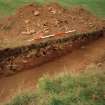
column 83, row 89
column 9, row 6
column 96, row 6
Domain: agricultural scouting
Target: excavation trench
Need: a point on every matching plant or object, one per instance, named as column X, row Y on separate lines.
column 13, row 60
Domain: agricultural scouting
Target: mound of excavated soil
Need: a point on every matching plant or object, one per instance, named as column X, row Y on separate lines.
column 34, row 20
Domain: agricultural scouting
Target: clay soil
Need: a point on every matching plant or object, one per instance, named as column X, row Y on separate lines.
column 34, row 20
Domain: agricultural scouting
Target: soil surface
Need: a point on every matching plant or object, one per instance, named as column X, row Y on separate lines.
column 73, row 62
column 34, row 20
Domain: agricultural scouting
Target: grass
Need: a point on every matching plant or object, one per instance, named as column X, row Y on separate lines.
column 83, row 89
column 96, row 6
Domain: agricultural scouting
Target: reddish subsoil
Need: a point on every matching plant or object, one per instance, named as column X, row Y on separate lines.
column 74, row 62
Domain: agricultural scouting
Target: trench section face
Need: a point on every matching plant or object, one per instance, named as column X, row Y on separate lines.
column 13, row 60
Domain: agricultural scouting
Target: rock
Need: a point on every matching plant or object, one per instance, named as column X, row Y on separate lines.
column 52, row 10
column 36, row 13
column 27, row 21
column 28, row 32
column 46, row 30
column 91, row 25
column 58, row 22
column 24, row 61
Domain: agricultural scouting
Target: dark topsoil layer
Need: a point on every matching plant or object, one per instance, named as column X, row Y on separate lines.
column 33, row 20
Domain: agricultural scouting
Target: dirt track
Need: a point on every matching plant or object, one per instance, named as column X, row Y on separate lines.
column 76, row 61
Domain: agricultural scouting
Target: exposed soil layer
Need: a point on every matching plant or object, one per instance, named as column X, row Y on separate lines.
column 15, row 60
column 20, row 50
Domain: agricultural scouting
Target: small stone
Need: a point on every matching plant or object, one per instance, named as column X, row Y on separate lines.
column 27, row 21
column 52, row 10
column 25, row 61
column 58, row 22
column 36, row 13
column 46, row 31
column 91, row 25
column 28, row 32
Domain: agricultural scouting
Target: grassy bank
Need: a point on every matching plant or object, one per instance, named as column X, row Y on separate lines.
column 84, row 89
column 96, row 6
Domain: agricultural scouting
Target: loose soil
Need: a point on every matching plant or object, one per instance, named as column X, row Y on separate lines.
column 35, row 20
